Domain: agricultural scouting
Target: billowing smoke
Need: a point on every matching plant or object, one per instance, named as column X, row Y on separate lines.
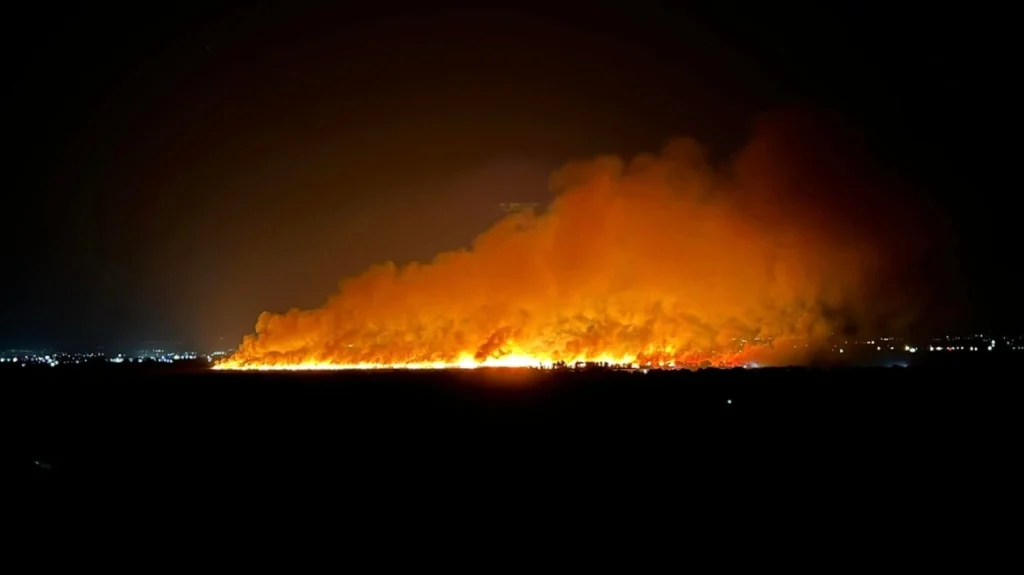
column 659, row 258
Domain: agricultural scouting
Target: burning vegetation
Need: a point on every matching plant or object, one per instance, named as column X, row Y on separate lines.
column 657, row 261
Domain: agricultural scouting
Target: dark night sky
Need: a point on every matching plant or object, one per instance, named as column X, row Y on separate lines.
column 174, row 170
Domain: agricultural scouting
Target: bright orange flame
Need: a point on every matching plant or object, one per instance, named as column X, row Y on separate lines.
column 659, row 261
column 511, row 360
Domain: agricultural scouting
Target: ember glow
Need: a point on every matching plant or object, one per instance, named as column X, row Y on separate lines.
column 660, row 261
column 511, row 360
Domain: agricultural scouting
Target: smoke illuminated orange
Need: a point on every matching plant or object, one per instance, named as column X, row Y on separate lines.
column 657, row 261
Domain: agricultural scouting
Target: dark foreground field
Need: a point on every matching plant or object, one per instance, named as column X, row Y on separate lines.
column 935, row 433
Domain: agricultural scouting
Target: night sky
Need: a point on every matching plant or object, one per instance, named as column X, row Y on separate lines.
column 175, row 170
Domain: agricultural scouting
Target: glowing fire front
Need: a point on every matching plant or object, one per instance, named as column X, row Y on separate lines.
column 656, row 262
column 511, row 360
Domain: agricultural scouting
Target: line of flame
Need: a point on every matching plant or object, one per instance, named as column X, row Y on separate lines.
column 506, row 361
column 466, row 362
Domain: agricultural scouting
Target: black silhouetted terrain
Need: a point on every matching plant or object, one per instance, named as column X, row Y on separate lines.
column 466, row 437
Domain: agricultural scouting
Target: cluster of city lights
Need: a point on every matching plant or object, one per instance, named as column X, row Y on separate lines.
column 990, row 347
column 54, row 359
column 51, row 359
column 948, row 343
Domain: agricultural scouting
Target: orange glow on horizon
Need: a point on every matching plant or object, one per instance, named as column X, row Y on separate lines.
column 659, row 261
column 510, row 361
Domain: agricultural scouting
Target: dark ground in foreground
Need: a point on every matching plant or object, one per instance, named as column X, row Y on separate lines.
column 935, row 433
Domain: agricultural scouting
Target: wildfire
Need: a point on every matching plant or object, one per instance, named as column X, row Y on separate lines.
column 513, row 360
column 465, row 362
column 656, row 262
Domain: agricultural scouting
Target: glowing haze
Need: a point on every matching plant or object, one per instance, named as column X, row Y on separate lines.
column 657, row 260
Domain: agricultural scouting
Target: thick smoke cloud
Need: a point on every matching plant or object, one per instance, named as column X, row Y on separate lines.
column 658, row 258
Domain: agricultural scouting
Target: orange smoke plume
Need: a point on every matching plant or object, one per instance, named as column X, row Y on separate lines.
column 659, row 260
